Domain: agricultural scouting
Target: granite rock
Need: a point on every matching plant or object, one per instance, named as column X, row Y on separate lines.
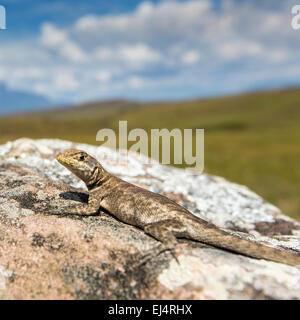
column 46, row 256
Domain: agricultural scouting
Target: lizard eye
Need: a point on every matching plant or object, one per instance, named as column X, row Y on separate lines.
column 81, row 158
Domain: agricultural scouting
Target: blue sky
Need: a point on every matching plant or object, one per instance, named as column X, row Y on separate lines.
column 75, row 51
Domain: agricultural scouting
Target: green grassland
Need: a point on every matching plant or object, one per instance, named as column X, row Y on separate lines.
column 252, row 138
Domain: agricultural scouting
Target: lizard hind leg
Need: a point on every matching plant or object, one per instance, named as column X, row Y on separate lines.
column 162, row 231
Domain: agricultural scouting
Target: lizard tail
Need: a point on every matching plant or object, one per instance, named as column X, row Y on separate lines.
column 210, row 234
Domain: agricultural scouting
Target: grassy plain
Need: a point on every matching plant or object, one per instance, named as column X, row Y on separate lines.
column 252, row 139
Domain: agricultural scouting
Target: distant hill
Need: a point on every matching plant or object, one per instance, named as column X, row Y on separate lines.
column 12, row 101
column 96, row 108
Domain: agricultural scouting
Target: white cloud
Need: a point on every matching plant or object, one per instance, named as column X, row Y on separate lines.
column 58, row 41
column 27, row 73
column 190, row 57
column 234, row 50
column 104, row 53
column 173, row 47
column 65, row 81
column 52, row 37
column 156, row 25
column 135, row 82
column 137, row 54
column 103, row 76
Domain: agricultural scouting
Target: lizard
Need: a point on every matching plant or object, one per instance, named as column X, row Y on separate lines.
column 160, row 217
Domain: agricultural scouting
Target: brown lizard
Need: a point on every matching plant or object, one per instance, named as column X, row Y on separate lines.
column 157, row 215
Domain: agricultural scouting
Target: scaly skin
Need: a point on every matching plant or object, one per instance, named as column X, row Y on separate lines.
column 158, row 216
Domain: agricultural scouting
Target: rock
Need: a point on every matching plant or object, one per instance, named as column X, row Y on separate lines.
column 25, row 145
column 46, row 256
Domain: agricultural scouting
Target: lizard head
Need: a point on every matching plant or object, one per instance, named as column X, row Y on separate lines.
column 82, row 165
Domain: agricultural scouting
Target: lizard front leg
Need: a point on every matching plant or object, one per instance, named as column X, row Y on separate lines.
column 81, row 209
